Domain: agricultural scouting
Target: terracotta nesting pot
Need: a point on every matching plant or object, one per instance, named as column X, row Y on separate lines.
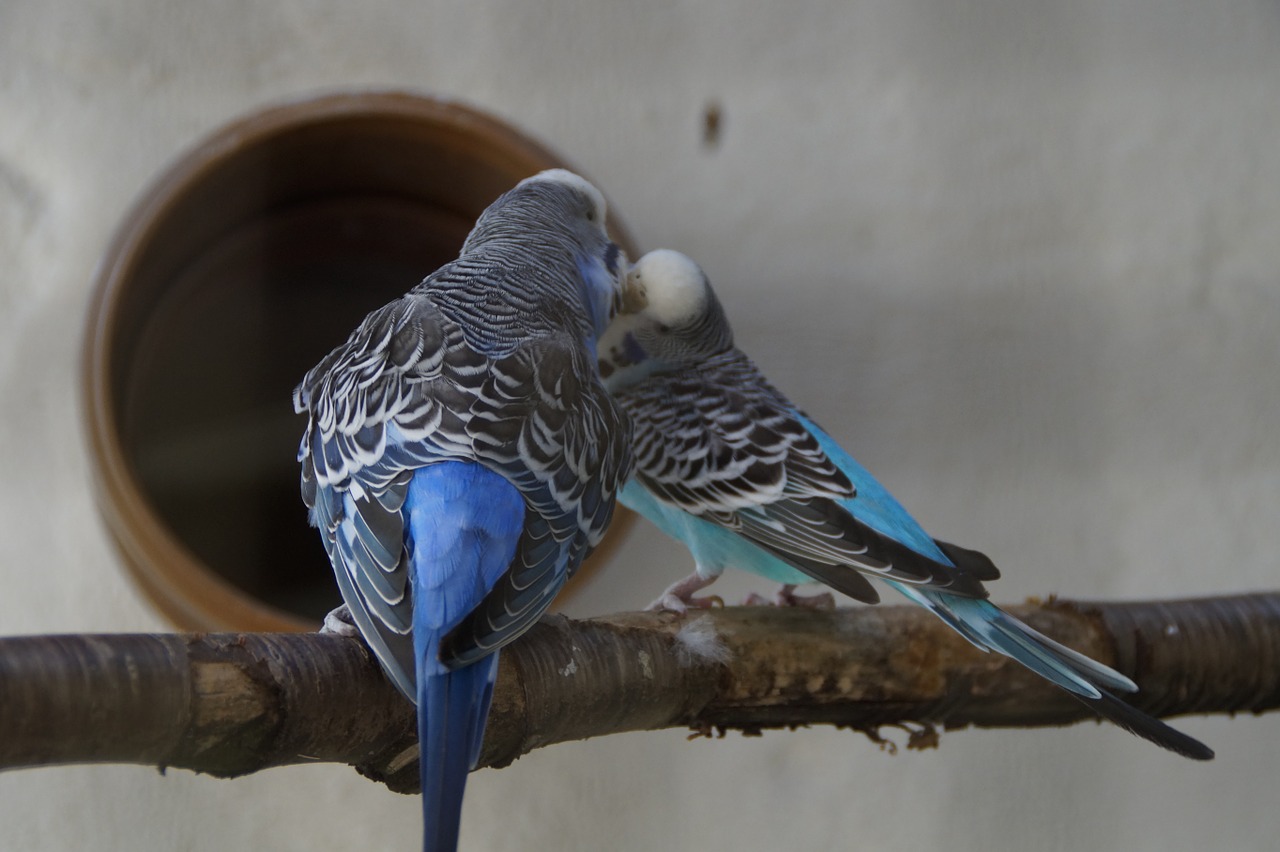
column 239, row 268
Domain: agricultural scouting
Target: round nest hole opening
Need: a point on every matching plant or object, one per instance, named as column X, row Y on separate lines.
column 243, row 265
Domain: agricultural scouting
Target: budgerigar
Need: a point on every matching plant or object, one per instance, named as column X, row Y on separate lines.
column 728, row 465
column 461, row 457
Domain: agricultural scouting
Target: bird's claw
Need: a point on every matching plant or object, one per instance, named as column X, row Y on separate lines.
column 786, row 596
column 339, row 622
column 822, row 600
column 670, row 602
column 679, row 596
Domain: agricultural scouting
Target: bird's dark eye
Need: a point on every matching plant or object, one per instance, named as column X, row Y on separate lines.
column 591, row 214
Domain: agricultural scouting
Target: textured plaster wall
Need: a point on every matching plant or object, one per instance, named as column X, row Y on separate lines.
column 1022, row 256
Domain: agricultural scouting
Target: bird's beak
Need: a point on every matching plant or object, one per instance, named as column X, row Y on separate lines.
column 634, row 298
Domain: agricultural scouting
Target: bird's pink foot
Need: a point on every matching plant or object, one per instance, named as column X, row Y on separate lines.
column 679, row 597
column 822, row 600
column 786, row 596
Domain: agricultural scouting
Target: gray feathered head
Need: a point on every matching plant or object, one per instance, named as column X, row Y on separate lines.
column 556, row 221
column 670, row 317
column 554, row 201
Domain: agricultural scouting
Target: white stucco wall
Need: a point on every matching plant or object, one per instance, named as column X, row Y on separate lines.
column 1024, row 257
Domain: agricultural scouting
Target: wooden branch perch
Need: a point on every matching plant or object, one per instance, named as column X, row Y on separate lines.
column 230, row 704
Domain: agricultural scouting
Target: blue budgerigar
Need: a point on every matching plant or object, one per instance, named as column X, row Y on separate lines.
column 461, row 457
column 728, row 465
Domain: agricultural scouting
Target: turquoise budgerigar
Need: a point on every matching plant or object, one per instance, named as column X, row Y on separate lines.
column 725, row 463
column 461, row 457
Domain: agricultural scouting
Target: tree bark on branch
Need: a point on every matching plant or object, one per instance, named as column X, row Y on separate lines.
column 231, row 704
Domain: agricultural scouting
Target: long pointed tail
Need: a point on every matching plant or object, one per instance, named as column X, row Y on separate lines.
column 452, row 708
column 991, row 628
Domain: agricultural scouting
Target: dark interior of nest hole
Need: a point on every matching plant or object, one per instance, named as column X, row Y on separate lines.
column 207, row 409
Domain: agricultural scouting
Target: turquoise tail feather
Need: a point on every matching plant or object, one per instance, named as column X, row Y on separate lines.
column 992, row 629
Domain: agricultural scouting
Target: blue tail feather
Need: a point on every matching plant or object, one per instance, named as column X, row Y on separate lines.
column 464, row 523
column 452, row 709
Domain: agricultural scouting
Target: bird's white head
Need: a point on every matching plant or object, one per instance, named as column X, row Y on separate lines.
column 668, row 287
column 669, row 318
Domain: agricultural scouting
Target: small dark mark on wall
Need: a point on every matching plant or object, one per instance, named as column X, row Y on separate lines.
column 712, row 125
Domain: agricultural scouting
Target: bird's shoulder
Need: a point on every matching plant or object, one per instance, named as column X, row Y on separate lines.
column 399, row 378
column 409, row 338
column 546, row 411
column 718, row 437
